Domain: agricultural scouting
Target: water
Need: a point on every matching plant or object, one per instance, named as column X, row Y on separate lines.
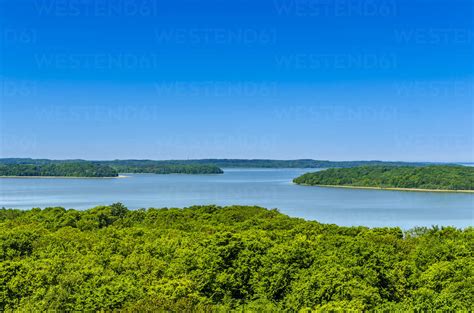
column 270, row 188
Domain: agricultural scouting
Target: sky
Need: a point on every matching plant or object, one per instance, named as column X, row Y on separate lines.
column 280, row 79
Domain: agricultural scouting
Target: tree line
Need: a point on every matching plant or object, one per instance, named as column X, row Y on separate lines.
column 301, row 163
column 169, row 169
column 83, row 169
column 98, row 168
column 225, row 163
column 441, row 177
column 210, row 258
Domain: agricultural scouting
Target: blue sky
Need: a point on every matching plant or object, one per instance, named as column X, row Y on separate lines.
column 283, row 79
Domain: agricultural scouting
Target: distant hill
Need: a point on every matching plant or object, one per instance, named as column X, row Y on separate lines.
column 301, row 163
column 439, row 177
column 38, row 161
column 226, row 163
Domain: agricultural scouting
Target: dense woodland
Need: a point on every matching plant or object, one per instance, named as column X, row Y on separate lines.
column 222, row 163
column 83, row 169
column 429, row 177
column 169, row 169
column 208, row 258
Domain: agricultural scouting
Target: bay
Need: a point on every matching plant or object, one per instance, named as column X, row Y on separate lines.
column 269, row 188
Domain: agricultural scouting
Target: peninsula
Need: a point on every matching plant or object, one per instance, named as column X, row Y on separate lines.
column 26, row 167
column 81, row 170
column 428, row 178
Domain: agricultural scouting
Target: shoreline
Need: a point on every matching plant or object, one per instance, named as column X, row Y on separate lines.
column 65, row 177
column 390, row 188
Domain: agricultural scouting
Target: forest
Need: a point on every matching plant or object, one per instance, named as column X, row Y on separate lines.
column 223, row 163
column 168, row 169
column 83, row 169
column 210, row 258
column 429, row 177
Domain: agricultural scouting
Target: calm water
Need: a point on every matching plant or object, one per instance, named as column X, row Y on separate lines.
column 270, row 188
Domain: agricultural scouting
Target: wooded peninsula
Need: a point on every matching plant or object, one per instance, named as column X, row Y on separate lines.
column 83, row 169
column 168, row 169
column 209, row 258
column 436, row 177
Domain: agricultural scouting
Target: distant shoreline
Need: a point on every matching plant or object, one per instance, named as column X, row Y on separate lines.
column 62, row 177
column 390, row 188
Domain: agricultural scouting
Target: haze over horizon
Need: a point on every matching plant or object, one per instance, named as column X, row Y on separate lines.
column 285, row 79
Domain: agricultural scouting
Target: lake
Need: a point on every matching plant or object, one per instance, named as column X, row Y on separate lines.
column 270, row 188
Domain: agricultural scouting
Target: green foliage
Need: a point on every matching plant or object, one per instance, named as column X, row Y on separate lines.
column 209, row 258
column 168, row 169
column 82, row 169
column 429, row 177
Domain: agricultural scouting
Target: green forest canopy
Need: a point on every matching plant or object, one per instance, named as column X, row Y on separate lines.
column 168, row 169
column 79, row 168
column 83, row 169
column 209, row 258
column 430, row 177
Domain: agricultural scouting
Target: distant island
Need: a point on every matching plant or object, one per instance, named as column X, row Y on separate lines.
column 436, row 177
column 81, row 168
column 168, row 169
column 84, row 169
